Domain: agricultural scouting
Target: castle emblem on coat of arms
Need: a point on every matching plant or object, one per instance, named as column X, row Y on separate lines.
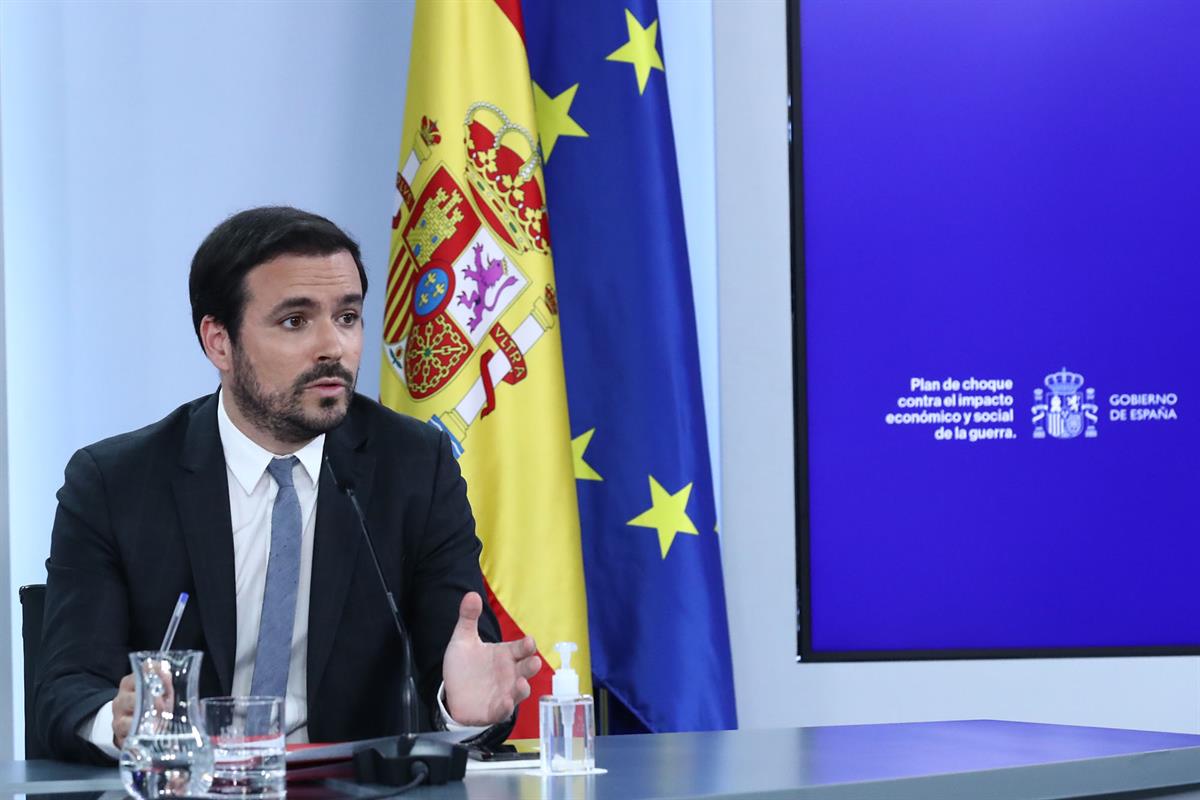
column 1064, row 409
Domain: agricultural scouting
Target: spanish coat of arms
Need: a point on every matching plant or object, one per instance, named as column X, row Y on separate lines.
column 455, row 273
column 1064, row 409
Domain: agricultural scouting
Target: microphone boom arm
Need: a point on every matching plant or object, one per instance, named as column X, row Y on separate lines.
column 408, row 692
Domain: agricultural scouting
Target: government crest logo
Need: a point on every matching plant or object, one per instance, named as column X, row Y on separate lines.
column 1064, row 409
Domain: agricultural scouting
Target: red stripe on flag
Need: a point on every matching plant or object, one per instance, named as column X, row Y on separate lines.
column 398, row 301
column 400, row 274
column 527, row 716
column 391, row 331
column 512, row 10
column 396, row 304
column 394, row 273
column 403, row 313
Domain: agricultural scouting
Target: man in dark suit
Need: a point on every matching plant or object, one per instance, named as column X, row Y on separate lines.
column 230, row 498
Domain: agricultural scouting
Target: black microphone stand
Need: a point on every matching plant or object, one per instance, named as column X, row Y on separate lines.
column 407, row 760
column 408, row 690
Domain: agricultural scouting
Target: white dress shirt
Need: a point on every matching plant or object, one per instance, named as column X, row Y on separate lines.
column 251, row 500
column 252, row 494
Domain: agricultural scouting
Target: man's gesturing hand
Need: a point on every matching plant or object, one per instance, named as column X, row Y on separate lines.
column 484, row 682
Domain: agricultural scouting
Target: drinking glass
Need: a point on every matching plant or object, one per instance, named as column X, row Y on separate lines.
column 247, row 735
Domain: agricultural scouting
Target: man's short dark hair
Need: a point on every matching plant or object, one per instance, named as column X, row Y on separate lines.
column 217, row 283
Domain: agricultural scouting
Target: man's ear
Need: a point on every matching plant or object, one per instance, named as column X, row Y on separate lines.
column 217, row 344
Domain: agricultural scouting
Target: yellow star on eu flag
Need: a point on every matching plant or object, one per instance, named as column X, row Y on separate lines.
column 667, row 514
column 583, row 470
column 553, row 117
column 639, row 50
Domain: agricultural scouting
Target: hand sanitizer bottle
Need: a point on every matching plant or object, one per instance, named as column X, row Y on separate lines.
column 567, row 724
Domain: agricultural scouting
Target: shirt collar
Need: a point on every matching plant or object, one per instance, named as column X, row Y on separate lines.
column 248, row 461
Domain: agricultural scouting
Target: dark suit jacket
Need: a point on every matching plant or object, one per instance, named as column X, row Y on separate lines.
column 145, row 515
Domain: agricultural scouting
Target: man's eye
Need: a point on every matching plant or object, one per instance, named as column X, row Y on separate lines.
column 293, row 322
column 349, row 318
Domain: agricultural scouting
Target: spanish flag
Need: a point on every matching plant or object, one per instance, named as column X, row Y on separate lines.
column 471, row 335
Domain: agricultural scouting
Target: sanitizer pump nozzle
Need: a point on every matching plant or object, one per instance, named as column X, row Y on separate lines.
column 567, row 726
column 566, row 680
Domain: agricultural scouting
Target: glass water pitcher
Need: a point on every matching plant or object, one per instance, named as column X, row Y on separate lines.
column 167, row 752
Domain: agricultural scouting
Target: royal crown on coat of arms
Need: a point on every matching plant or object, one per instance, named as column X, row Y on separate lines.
column 503, row 181
column 1064, row 382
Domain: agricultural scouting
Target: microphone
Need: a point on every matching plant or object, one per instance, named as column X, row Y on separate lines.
column 408, row 691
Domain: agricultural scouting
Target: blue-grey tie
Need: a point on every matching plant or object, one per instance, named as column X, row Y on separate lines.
column 274, row 652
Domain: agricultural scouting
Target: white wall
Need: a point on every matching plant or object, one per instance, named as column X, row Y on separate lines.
column 7, row 590
column 129, row 130
column 686, row 28
column 757, row 467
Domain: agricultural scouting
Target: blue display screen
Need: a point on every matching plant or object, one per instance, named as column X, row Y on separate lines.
column 998, row 281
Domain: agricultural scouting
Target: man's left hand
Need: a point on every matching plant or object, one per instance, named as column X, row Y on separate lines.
column 485, row 682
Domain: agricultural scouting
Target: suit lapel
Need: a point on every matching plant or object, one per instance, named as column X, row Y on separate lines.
column 336, row 542
column 202, row 494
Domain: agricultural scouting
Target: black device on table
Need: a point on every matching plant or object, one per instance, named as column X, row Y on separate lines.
column 501, row 752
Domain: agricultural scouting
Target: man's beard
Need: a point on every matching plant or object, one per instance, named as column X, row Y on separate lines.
column 282, row 414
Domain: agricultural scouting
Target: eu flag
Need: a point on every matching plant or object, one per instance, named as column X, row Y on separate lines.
column 656, row 602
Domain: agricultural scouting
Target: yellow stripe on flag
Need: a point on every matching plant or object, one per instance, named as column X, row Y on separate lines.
column 482, row 355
